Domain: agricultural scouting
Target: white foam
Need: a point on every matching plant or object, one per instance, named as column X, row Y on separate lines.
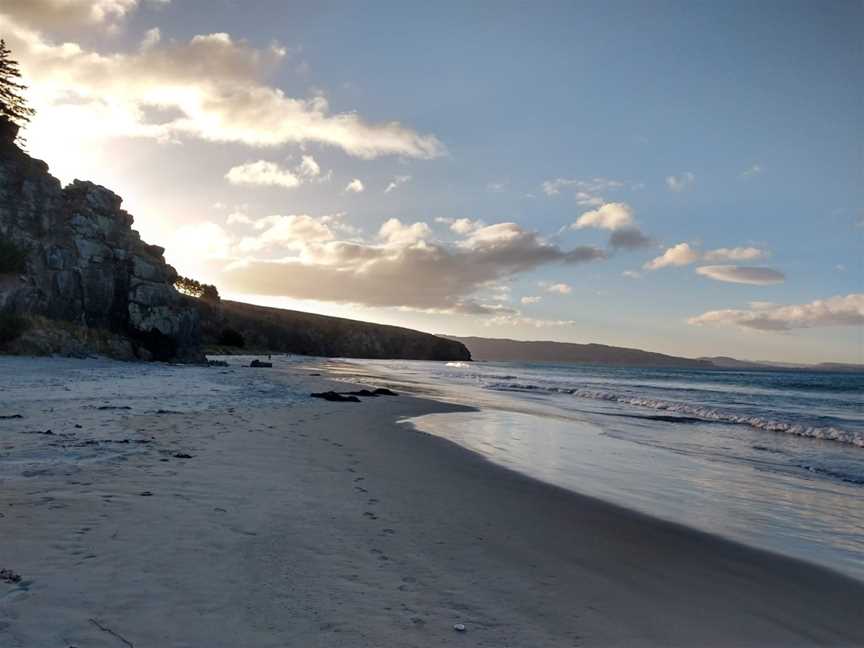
column 708, row 414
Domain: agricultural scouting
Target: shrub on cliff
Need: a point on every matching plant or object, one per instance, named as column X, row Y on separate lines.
column 11, row 327
column 13, row 258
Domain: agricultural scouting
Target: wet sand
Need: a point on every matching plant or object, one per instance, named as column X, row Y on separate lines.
column 226, row 508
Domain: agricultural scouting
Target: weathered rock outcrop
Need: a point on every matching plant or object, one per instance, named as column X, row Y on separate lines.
column 85, row 265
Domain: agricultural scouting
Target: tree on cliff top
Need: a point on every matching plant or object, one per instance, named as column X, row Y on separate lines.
column 13, row 105
column 193, row 288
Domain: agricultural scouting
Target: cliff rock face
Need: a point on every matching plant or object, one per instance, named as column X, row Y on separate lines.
column 85, row 265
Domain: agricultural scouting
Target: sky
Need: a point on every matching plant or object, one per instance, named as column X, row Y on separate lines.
column 684, row 177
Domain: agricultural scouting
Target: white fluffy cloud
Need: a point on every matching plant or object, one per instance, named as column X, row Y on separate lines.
column 262, row 173
column 611, row 216
column 210, row 87
column 293, row 232
column 265, row 173
column 742, row 274
column 355, row 186
column 531, row 300
column 681, row 182
column 677, row 255
column 466, row 225
column 842, row 310
column 394, row 232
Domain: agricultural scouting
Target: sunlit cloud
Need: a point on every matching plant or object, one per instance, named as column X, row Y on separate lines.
column 677, row 255
column 532, row 299
column 401, row 267
column 842, row 310
column 262, row 173
column 742, row 274
column 211, row 87
column 355, row 186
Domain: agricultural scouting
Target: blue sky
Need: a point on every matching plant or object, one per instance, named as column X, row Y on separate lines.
column 734, row 128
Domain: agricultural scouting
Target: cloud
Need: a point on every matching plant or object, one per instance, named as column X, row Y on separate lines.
column 681, row 182
column 211, row 87
column 631, row 274
column 593, row 185
column 496, row 187
column 265, row 173
column 394, row 232
column 397, row 182
column 585, row 199
column 742, row 274
column 559, row 288
column 735, row 254
column 355, row 186
column 677, row 255
column 403, row 268
column 842, row 310
column 517, row 319
column 754, row 170
column 611, row 216
column 629, row 238
column 262, row 173
column 531, row 300
column 68, row 14
column 466, row 225
column 588, row 192
column 238, row 218
column 293, row 232
column 309, row 167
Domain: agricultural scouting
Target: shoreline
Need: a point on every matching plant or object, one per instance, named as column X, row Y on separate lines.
column 332, row 524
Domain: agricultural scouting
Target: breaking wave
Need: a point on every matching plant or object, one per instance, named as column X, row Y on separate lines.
column 707, row 414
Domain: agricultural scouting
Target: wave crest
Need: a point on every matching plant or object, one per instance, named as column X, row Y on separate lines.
column 707, row 414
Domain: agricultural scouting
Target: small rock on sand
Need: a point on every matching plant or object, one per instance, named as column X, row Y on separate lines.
column 335, row 397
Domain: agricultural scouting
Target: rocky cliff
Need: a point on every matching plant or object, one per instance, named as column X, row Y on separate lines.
column 70, row 256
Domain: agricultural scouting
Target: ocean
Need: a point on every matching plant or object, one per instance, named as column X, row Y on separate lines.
column 772, row 459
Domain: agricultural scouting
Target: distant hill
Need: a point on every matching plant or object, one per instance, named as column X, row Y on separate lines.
column 275, row 329
column 505, row 350
column 725, row 362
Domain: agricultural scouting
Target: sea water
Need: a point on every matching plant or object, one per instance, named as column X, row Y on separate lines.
column 773, row 459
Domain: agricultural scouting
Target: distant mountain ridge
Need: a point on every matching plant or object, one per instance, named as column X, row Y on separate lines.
column 507, row 350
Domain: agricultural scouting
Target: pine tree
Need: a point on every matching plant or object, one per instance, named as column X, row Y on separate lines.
column 13, row 106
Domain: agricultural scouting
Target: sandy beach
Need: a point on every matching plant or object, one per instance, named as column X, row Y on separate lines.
column 192, row 506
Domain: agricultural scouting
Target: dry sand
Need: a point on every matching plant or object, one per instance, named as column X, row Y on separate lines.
column 298, row 522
